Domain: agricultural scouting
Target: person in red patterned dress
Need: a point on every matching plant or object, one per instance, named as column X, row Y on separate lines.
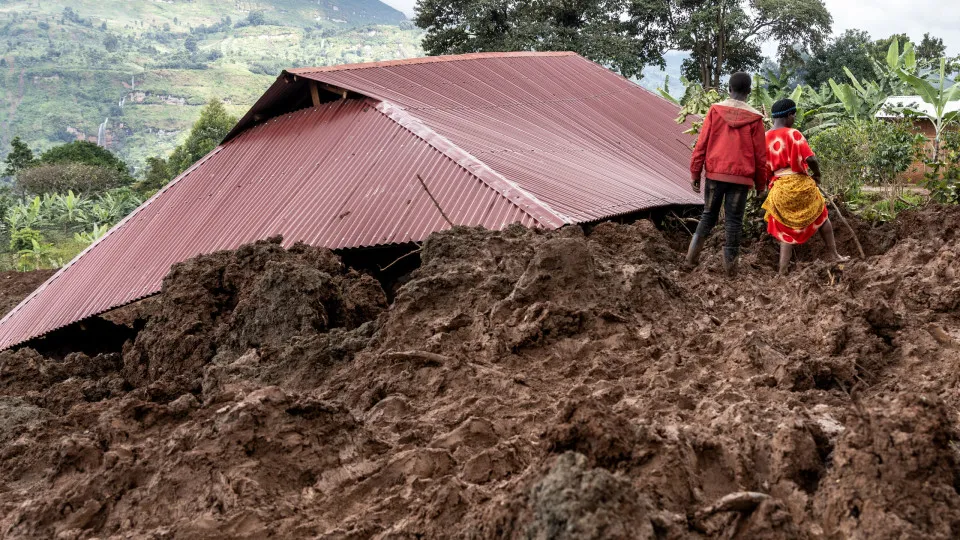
column 795, row 208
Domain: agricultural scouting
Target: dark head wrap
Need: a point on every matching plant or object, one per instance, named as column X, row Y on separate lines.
column 783, row 108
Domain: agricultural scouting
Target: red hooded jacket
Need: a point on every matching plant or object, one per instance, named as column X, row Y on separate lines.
column 732, row 146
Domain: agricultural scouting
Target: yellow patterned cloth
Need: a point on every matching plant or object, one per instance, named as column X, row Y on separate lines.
column 794, row 201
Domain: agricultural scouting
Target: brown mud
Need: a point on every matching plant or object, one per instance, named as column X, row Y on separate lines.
column 15, row 286
column 521, row 384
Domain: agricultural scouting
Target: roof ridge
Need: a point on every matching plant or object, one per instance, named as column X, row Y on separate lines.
column 426, row 60
column 511, row 191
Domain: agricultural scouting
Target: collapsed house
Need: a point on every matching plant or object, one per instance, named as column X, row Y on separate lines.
column 384, row 154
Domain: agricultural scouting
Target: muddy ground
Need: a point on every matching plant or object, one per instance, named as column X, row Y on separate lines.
column 15, row 286
column 521, row 385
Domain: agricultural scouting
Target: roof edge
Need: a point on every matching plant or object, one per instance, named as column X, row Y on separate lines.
column 511, row 191
column 118, row 226
column 426, row 60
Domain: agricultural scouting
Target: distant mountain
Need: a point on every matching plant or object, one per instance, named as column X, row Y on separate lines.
column 654, row 78
column 133, row 74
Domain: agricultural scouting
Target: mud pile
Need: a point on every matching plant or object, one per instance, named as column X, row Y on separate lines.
column 521, row 384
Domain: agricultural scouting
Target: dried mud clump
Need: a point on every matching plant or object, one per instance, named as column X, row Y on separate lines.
column 259, row 298
column 894, row 474
column 522, row 384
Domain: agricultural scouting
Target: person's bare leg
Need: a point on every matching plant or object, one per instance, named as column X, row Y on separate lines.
column 786, row 252
column 827, row 231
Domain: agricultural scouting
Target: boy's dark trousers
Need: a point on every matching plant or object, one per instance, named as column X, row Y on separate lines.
column 733, row 199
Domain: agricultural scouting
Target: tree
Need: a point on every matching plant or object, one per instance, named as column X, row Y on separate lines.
column 84, row 152
column 939, row 95
column 19, row 158
column 111, row 43
column 156, row 176
column 878, row 49
column 931, row 49
column 848, row 50
column 724, row 36
column 256, row 18
column 617, row 33
column 190, row 44
column 212, row 126
column 67, row 176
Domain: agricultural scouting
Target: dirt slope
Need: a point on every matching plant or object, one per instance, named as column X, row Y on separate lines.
column 521, row 385
column 15, row 286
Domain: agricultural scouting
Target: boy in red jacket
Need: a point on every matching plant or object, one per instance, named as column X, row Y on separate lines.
column 732, row 148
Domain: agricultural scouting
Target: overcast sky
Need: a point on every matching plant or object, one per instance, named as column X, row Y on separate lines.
column 879, row 17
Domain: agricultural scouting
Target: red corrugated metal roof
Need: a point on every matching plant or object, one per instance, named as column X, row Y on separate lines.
column 537, row 138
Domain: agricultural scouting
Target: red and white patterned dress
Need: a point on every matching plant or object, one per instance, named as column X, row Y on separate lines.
column 798, row 201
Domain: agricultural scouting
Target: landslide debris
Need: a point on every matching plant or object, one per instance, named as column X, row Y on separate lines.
column 522, row 384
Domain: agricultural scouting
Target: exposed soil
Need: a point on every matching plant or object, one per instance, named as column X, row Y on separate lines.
column 521, row 384
column 15, row 286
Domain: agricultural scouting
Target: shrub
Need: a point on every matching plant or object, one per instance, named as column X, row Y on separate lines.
column 24, row 238
column 64, row 177
column 84, row 152
column 943, row 178
column 855, row 153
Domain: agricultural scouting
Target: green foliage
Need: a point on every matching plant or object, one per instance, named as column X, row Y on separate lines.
column 62, row 82
column 696, row 101
column 931, row 50
column 853, row 55
column 89, row 237
column 24, row 238
column 849, row 50
column 938, row 95
column 38, row 255
column 19, row 158
column 63, row 177
column 943, row 178
column 212, row 126
column 765, row 92
column 155, row 177
column 615, row 33
column 724, row 36
column 664, row 91
column 878, row 49
column 855, row 153
column 84, row 152
column 24, row 215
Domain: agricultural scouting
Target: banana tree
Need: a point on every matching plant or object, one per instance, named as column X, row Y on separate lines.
column 72, row 209
column 664, row 91
column 896, row 61
column 95, row 234
column 762, row 100
column 939, row 96
column 24, row 216
column 860, row 100
column 39, row 255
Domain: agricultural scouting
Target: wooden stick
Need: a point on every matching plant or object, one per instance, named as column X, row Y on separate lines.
column 435, row 203
column 856, row 240
column 402, row 257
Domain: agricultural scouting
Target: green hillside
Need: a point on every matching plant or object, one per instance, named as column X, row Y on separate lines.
column 147, row 66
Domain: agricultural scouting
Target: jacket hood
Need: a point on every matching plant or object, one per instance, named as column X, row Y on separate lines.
column 737, row 113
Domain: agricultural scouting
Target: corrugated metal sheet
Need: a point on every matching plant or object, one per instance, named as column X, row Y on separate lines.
column 579, row 138
column 340, row 175
column 537, row 138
